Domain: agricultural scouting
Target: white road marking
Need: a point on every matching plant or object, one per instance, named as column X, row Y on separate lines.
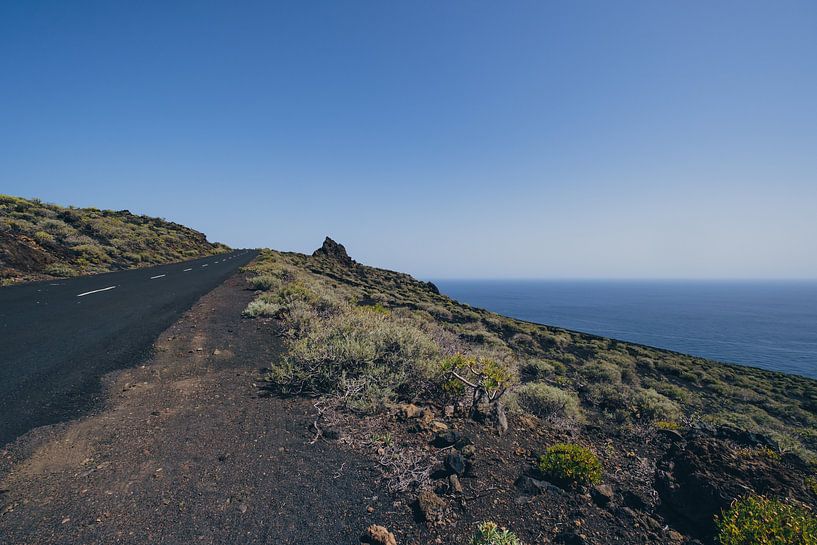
column 95, row 291
column 204, row 265
column 157, row 276
column 187, row 270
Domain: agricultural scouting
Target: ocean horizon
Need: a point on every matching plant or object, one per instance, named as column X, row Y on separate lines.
column 770, row 324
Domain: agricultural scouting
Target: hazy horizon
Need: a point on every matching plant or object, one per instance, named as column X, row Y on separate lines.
column 634, row 140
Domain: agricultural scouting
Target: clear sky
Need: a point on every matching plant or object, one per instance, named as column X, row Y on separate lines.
column 446, row 139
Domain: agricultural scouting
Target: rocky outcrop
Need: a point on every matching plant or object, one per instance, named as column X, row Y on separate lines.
column 333, row 250
column 699, row 478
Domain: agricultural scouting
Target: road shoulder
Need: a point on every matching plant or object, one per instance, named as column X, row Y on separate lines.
column 185, row 450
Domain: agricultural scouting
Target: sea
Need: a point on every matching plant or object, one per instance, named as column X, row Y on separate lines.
column 766, row 324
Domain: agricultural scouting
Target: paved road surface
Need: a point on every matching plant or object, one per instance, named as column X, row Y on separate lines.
column 58, row 338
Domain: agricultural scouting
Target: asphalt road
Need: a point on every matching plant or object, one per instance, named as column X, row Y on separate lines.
column 57, row 338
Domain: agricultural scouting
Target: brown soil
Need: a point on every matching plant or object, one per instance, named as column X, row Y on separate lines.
column 185, row 451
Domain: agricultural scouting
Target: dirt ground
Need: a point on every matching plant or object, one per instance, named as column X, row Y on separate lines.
column 186, row 451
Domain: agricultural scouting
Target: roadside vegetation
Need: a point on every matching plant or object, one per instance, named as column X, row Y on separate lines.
column 370, row 342
column 40, row 241
column 337, row 317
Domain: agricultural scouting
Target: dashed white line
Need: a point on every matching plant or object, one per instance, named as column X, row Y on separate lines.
column 204, row 265
column 95, row 291
column 187, row 270
column 157, row 276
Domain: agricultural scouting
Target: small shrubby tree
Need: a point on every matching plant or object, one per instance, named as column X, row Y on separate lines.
column 487, row 379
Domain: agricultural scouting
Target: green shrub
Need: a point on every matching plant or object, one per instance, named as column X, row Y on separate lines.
column 601, row 372
column 260, row 307
column 548, row 401
column 489, row 533
column 651, row 405
column 568, row 463
column 666, row 425
column 264, row 282
column 359, row 354
column 536, row 370
column 756, row 520
column 610, row 397
column 60, row 269
column 43, row 238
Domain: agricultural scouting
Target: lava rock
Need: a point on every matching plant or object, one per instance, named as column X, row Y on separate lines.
column 455, row 463
column 698, row 479
column 671, row 435
column 602, row 494
column 331, row 434
column 531, row 487
column 633, row 500
column 492, row 414
column 333, row 250
column 378, row 535
column 463, row 442
column 430, row 506
column 446, row 439
column 455, row 484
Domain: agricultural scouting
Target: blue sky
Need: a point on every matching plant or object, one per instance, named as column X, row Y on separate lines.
column 446, row 139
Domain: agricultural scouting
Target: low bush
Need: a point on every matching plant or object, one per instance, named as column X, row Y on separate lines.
column 60, row 269
column 601, row 372
column 264, row 282
column 489, row 533
column 667, row 425
column 367, row 357
column 610, row 397
column 534, row 370
column 548, row 402
column 756, row 520
column 651, row 405
column 43, row 237
column 260, row 307
column 568, row 463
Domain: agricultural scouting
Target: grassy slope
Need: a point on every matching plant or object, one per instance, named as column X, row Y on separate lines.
column 622, row 383
column 40, row 241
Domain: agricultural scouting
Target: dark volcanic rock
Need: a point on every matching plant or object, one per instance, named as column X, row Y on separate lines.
column 698, row 479
column 631, row 499
column 492, row 414
column 531, row 487
column 446, row 439
column 455, row 463
column 333, row 250
column 430, row 507
column 602, row 494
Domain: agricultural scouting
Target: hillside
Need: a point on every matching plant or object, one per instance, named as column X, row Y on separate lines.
column 40, row 241
column 472, row 416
